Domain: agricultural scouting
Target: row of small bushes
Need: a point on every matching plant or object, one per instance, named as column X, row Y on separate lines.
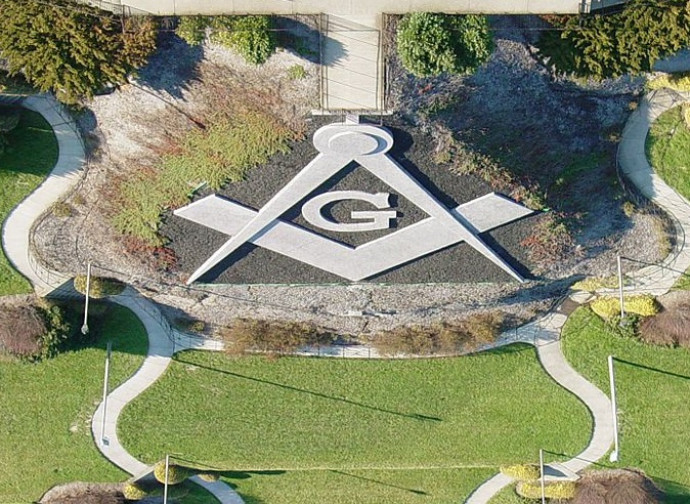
column 249, row 335
column 99, row 287
column 463, row 336
column 529, row 486
column 675, row 81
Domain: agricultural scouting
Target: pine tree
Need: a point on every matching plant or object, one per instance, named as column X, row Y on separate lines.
column 629, row 42
column 70, row 48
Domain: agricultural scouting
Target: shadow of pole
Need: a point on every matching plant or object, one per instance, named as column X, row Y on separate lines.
column 382, row 483
column 414, row 416
column 649, row 368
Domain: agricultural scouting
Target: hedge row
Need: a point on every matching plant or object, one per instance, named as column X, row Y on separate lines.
column 249, row 335
column 463, row 336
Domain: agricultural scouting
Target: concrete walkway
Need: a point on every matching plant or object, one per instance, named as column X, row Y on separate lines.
column 16, row 230
column 351, row 64
column 341, row 7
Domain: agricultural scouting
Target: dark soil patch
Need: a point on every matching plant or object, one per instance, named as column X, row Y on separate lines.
column 413, row 149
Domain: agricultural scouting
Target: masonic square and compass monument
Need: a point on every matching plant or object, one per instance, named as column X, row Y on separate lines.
column 339, row 145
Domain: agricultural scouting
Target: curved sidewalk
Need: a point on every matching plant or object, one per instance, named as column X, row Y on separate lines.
column 16, row 231
column 653, row 279
column 632, row 159
column 545, row 335
column 16, row 240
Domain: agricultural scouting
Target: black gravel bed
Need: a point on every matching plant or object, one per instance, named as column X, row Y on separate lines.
column 413, row 149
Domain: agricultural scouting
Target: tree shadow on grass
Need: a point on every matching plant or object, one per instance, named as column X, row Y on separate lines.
column 413, row 416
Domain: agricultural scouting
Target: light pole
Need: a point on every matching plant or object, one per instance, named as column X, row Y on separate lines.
column 104, row 440
column 616, row 450
column 620, row 288
column 165, row 488
column 541, row 473
column 85, row 325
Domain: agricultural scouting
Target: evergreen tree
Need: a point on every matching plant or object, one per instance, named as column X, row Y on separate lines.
column 631, row 41
column 432, row 44
column 70, row 48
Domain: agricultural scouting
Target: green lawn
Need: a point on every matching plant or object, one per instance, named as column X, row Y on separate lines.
column 668, row 150
column 32, row 154
column 653, row 387
column 384, row 431
column 45, row 435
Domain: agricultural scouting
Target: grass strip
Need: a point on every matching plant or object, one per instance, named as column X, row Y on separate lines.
column 31, row 155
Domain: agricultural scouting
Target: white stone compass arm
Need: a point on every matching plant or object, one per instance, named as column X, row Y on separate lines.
column 385, row 168
column 312, row 176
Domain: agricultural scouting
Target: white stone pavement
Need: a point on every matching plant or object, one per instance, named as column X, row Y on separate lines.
column 352, row 63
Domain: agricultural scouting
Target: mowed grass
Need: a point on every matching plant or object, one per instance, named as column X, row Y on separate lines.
column 31, row 154
column 438, row 426
column 45, row 433
column 653, row 387
column 668, row 150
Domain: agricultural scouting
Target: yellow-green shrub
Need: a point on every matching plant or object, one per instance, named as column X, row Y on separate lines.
column 176, row 473
column 591, row 284
column 678, row 82
column 521, row 472
column 99, row 287
column 609, row 307
column 132, row 491
column 558, row 490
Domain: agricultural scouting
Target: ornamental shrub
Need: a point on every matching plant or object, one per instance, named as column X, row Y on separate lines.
column 671, row 327
column 609, row 307
column 677, row 82
column 521, row 472
column 432, row 44
column 33, row 331
column 72, row 48
column 559, row 490
column 100, row 287
column 248, row 335
column 134, row 492
column 176, row 473
column 250, row 36
column 611, row 45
